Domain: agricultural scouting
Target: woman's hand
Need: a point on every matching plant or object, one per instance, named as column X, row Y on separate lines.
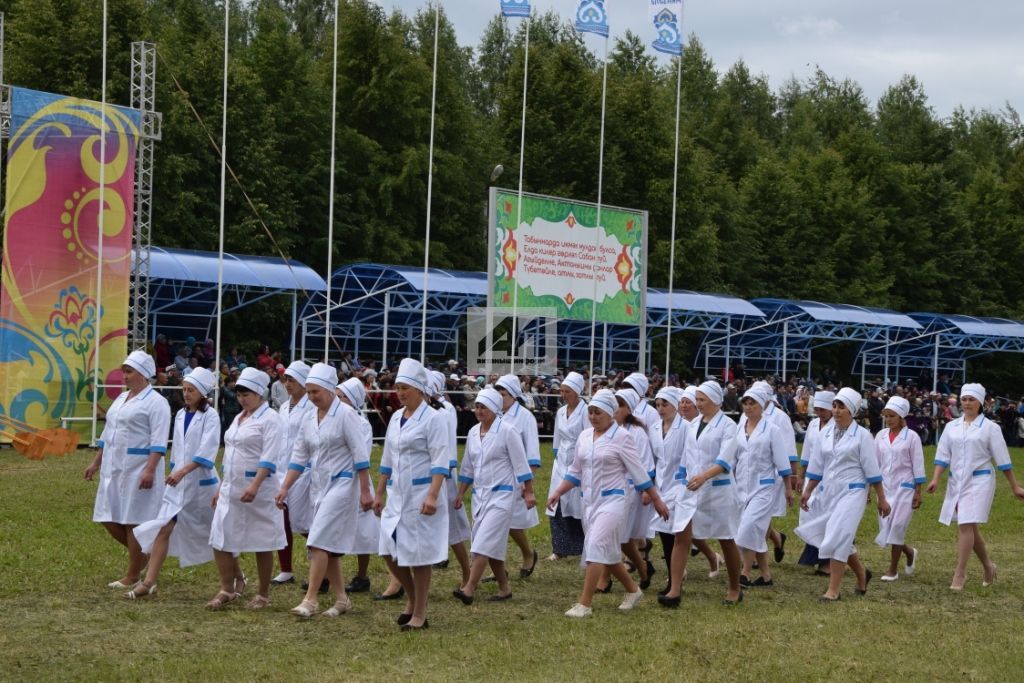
column 279, row 499
column 429, row 506
column 661, row 509
column 645, row 499
column 803, row 501
column 249, row 495
column 531, row 500
column 696, row 482
column 933, row 485
column 378, row 505
column 91, row 470
column 365, row 500
column 458, row 503
column 553, row 502
column 883, row 506
column 789, row 498
column 146, row 480
column 174, row 478
column 213, row 502
column 1019, row 492
column 916, row 502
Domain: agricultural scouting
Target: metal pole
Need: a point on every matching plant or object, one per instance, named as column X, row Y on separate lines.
column 295, row 303
column 885, row 377
column 785, row 349
column 935, row 366
column 597, row 228
column 519, row 205
column 98, row 331
column 675, row 204
column 330, row 198
column 430, row 190
column 604, row 350
column 728, row 346
column 384, row 337
column 223, row 183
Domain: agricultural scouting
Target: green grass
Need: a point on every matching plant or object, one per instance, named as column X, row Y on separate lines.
column 59, row 621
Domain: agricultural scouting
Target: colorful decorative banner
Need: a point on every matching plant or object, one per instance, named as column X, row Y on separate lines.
column 591, row 17
column 667, row 18
column 557, row 254
column 515, row 8
column 48, row 315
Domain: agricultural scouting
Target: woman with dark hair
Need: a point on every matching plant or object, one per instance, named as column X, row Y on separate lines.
column 570, row 421
column 515, row 412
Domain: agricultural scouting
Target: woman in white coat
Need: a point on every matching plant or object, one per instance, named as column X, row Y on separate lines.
column 901, row 459
column 131, row 452
column 246, row 517
column 494, row 466
column 352, row 393
column 762, row 465
column 687, row 408
column 968, row 447
column 515, row 412
column 459, row 530
column 643, row 411
column 812, row 441
column 331, row 445
column 606, row 459
column 298, row 513
column 846, row 464
column 639, row 505
column 777, row 416
column 570, row 421
column 411, row 499
column 182, row 527
column 667, row 439
column 708, row 508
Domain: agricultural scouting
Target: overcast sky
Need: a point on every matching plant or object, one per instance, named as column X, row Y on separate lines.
column 965, row 53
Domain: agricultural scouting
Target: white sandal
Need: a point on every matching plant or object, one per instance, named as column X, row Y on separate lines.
column 141, row 590
column 306, row 609
column 340, row 607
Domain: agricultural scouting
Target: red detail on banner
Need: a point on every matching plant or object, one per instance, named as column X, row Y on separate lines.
column 571, row 221
column 624, row 268
column 569, row 298
column 510, row 255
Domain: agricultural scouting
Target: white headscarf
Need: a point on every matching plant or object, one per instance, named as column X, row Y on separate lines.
column 323, row 375
column 849, row 398
column 690, row 394
column 604, row 399
column 823, row 399
column 758, row 396
column 510, row 383
column 142, row 363
column 298, row 371
column 254, row 380
column 898, row 405
column 976, row 391
column 354, row 391
column 574, row 381
column 629, row 397
column 670, row 395
column 413, row 374
column 713, row 391
column 203, row 380
column 640, row 382
column 491, row 399
column 437, row 383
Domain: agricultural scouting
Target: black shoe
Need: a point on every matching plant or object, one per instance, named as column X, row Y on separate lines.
column 867, row 580
column 441, row 565
column 694, row 551
column 664, row 591
column 409, row 627
column 325, row 586
column 606, row 589
column 525, row 573
column 759, row 581
column 647, row 549
column 744, row 582
column 737, row 601
column 462, row 597
column 398, row 595
column 630, row 567
column 827, row 599
column 666, row 601
column 403, row 619
column 498, row 597
column 360, row 584
column 780, row 552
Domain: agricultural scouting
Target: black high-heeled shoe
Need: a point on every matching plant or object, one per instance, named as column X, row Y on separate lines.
column 398, row 595
column 409, row 627
column 666, row 601
column 403, row 619
column 731, row 603
column 867, row 580
column 606, row 589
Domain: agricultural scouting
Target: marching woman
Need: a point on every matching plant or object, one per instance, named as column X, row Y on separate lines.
column 762, row 460
column 298, row 512
column 182, row 527
column 130, row 461
column 812, row 441
column 901, row 459
column 606, row 458
column 246, row 517
column 514, row 412
column 780, row 419
column 411, row 499
column 667, row 439
column 352, row 393
column 332, row 446
column 708, row 508
column 968, row 446
column 494, row 465
column 643, row 411
column 846, row 464
column 688, row 411
column 459, row 531
column 570, row 421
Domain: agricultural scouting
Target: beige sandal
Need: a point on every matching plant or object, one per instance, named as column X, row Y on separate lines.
column 220, row 599
column 259, row 602
column 305, row 609
column 340, row 607
column 141, row 590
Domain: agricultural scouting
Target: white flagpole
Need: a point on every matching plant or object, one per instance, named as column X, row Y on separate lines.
column 430, row 185
column 597, row 228
column 99, row 231
column 330, row 200
column 223, row 182
column 519, row 205
column 675, row 200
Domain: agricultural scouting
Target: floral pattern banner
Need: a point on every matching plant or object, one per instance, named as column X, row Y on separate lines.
column 48, row 300
column 559, row 257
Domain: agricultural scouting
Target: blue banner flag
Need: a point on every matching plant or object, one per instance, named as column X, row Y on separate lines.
column 591, row 17
column 515, row 8
column 667, row 18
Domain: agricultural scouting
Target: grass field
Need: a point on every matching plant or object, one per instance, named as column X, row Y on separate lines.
column 58, row 621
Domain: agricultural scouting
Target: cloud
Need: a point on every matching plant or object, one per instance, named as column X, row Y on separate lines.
column 815, row 26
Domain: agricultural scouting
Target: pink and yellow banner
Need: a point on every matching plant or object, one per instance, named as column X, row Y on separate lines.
column 48, row 299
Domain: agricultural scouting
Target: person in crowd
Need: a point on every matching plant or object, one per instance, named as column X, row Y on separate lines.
column 411, row 499
column 667, row 439
column 688, row 411
column 352, row 393
column 606, row 459
column 182, row 526
column 523, row 518
column 263, row 358
column 459, row 530
column 639, row 383
column 967, row 449
column 331, row 445
column 822, row 404
column 901, row 459
column 163, row 351
column 130, row 461
column 570, row 421
column 246, row 517
column 278, row 389
column 846, row 464
column 731, row 401
column 298, row 512
column 494, row 466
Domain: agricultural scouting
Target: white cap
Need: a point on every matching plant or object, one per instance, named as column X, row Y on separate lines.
column 976, row 391
column 604, row 400
column 628, row 397
column 510, row 383
column 574, row 381
column 898, row 405
column 323, row 375
column 689, row 393
column 413, row 374
column 849, row 398
column 354, row 391
column 756, row 395
column 823, row 399
column 436, row 382
column 639, row 382
column 298, row 371
column 713, row 392
column 670, row 395
column 254, row 380
column 203, row 380
column 490, row 399
column 142, row 363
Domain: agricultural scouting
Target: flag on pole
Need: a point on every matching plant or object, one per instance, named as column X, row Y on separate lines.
column 591, row 17
column 667, row 17
column 515, row 8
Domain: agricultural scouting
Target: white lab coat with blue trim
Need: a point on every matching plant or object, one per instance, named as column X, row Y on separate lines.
column 413, row 454
column 333, row 451
column 716, row 509
column 189, row 501
column 762, row 460
column 602, row 468
column 812, row 444
column 495, row 466
column 667, row 447
column 249, row 445
column 300, row 510
column 459, row 529
column 778, row 417
column 902, row 465
column 567, row 430
column 640, row 514
column 526, row 423
column 646, row 413
column 967, row 452
column 847, row 468
column 134, row 429
column 367, row 523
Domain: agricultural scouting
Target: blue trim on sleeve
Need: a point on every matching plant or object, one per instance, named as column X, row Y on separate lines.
column 812, row 476
column 158, row 449
column 422, row 481
column 267, row 465
column 296, row 467
column 572, row 480
column 443, row 471
column 941, row 463
column 875, row 480
column 919, row 480
column 465, row 480
column 362, row 465
column 1005, row 468
column 724, row 465
column 555, row 451
column 452, row 464
column 524, row 477
column 766, row 482
column 99, row 443
column 652, row 473
column 785, row 473
column 202, row 462
column 721, row 482
column 805, row 463
column 136, row 451
column 533, row 462
column 644, row 486
column 385, row 470
column 794, row 458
